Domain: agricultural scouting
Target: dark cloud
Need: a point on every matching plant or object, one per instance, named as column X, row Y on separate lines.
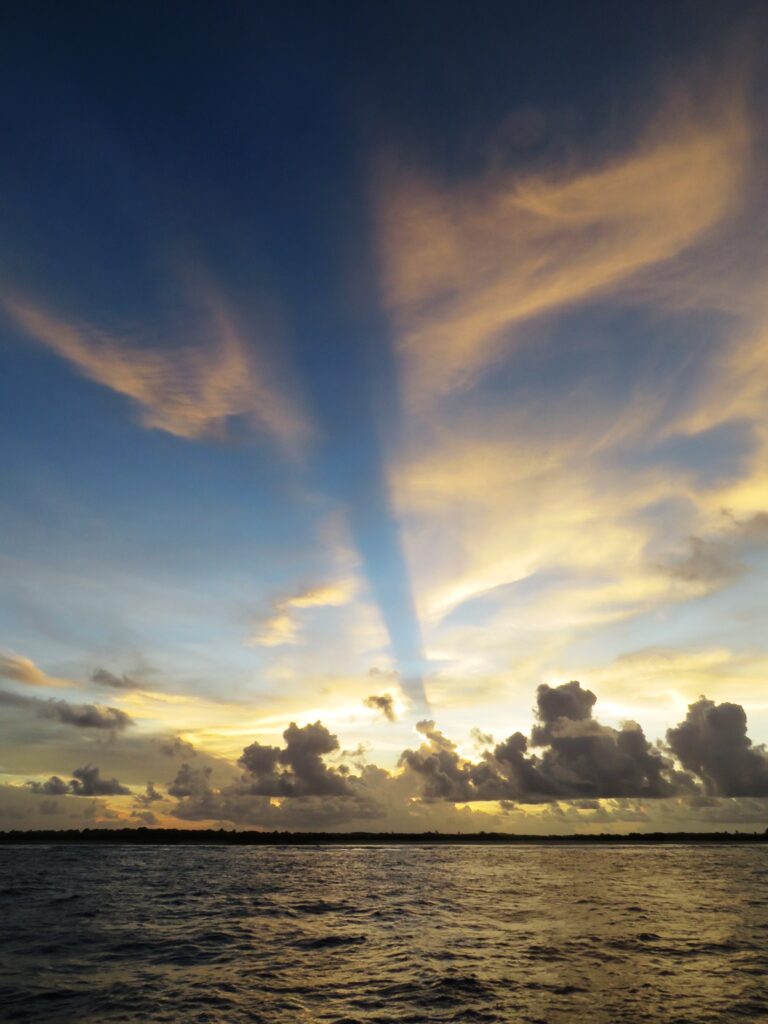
column 283, row 787
column 580, row 769
column 712, row 743
column 383, row 703
column 53, row 786
column 556, row 704
column 149, row 796
column 84, row 716
column 580, row 759
column 190, row 781
column 298, row 769
column 444, row 774
column 86, row 781
column 103, row 677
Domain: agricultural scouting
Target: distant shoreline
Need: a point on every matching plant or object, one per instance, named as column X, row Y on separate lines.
column 223, row 837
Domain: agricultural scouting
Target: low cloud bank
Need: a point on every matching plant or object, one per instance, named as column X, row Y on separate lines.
column 569, row 763
column 569, row 756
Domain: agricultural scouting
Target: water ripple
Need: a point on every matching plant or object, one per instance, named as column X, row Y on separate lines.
column 347, row 935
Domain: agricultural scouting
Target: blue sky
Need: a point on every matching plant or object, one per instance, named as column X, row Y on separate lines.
column 409, row 350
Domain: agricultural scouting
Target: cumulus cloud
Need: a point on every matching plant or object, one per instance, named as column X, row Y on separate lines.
column 580, row 768
column 580, row 758
column 84, row 716
column 86, row 781
column 554, row 704
column 382, row 702
column 298, row 768
column 577, row 769
column 54, row 786
column 282, row 624
column 190, row 781
column 712, row 743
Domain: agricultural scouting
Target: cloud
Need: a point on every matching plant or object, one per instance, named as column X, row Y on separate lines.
column 177, row 747
column 571, row 773
column 481, row 739
column 715, row 560
column 149, row 796
column 84, row 716
column 580, row 759
column 281, row 626
column 53, row 786
column 383, row 703
column 569, row 701
column 712, row 742
column 709, row 562
column 147, row 818
column 103, row 677
column 297, row 769
column 188, row 391
column 191, row 780
column 576, row 435
column 465, row 263
column 22, row 670
column 86, row 781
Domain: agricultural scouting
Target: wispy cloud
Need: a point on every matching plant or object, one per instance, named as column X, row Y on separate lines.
column 282, row 624
column 190, row 391
column 465, row 263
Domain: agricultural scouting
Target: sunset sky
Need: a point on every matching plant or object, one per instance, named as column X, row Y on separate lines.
column 383, row 368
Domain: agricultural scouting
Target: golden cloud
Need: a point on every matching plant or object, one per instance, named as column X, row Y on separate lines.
column 22, row 670
column 463, row 264
column 281, row 626
column 187, row 391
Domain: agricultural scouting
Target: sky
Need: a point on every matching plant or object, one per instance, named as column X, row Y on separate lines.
column 383, row 416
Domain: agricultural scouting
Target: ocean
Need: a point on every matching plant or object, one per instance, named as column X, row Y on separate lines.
column 670, row 934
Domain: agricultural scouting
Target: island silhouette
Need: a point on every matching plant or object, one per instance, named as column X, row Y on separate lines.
column 144, row 836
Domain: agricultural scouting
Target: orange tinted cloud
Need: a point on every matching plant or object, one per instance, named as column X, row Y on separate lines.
column 281, row 626
column 465, row 263
column 187, row 391
column 23, row 670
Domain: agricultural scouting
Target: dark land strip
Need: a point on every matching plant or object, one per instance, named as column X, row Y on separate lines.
column 231, row 837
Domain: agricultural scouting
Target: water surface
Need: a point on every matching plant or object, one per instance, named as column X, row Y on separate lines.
column 384, row 934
